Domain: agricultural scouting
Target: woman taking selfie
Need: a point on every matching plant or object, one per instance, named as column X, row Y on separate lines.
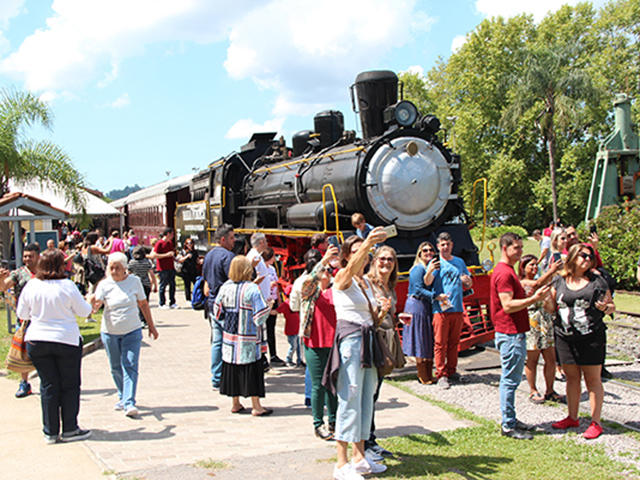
column 580, row 299
column 355, row 306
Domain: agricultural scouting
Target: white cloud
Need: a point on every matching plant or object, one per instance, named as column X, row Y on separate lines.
column 457, row 42
column 317, row 48
column 416, row 69
column 122, row 101
column 301, row 50
column 9, row 9
column 244, row 128
column 84, row 39
column 510, row 8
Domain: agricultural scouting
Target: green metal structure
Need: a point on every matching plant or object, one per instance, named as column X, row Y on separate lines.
column 616, row 174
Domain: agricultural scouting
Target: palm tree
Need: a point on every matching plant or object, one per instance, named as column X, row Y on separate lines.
column 550, row 81
column 23, row 159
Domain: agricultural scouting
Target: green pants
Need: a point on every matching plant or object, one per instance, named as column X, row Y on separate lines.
column 316, row 362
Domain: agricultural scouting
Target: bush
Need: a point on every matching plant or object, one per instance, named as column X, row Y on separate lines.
column 619, row 236
column 492, row 233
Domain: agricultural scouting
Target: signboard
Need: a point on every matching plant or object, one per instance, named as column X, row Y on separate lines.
column 191, row 222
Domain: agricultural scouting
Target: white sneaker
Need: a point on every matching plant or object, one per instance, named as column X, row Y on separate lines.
column 131, row 412
column 346, row 472
column 164, row 307
column 118, row 406
column 365, row 466
column 174, row 306
column 372, row 456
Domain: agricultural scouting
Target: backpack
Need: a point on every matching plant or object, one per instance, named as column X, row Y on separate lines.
column 198, row 299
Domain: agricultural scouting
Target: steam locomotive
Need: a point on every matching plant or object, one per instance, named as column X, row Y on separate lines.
column 398, row 173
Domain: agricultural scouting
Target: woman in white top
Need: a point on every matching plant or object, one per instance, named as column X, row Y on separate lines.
column 51, row 303
column 354, row 299
column 122, row 295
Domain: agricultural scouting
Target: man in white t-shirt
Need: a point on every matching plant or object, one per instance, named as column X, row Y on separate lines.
column 259, row 245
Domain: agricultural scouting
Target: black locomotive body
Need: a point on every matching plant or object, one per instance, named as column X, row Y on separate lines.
column 399, row 173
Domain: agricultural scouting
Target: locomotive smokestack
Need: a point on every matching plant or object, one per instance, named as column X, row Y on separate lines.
column 375, row 90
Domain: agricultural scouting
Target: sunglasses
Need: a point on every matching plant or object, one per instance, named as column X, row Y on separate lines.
column 385, row 259
column 428, row 250
column 586, row 256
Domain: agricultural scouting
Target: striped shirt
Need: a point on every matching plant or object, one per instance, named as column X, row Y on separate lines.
column 140, row 268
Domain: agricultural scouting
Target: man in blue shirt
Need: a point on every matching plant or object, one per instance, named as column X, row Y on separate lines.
column 215, row 271
column 449, row 279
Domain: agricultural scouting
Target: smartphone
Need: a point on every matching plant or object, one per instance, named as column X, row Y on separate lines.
column 593, row 228
column 557, row 256
column 598, row 295
column 391, row 231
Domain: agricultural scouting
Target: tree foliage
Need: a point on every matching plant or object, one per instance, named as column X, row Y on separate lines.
column 516, row 84
column 25, row 160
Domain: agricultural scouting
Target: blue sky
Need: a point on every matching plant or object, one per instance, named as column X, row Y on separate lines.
column 140, row 88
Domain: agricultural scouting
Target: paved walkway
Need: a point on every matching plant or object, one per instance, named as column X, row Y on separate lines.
column 182, row 421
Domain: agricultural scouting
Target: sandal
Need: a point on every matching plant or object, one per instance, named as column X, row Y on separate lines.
column 536, row 398
column 555, row 397
column 240, row 410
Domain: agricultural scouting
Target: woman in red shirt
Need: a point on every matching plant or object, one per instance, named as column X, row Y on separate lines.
column 317, row 330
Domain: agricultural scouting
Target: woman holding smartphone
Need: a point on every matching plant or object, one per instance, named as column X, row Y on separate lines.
column 580, row 300
column 558, row 244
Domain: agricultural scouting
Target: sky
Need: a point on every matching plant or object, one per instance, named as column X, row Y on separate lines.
column 145, row 90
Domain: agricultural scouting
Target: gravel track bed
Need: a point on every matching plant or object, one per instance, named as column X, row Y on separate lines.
column 480, row 396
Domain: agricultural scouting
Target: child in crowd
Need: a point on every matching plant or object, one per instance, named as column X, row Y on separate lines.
column 362, row 227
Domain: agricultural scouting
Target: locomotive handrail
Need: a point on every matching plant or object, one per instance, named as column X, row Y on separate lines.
column 324, row 210
column 306, row 160
column 484, row 215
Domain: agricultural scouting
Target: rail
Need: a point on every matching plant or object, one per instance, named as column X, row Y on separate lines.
column 484, row 207
column 335, row 205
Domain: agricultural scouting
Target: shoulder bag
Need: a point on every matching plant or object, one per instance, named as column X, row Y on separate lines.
column 17, row 359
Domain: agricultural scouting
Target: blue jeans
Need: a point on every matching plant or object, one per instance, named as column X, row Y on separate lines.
column 216, row 351
column 58, row 366
column 513, row 353
column 167, row 277
column 124, row 352
column 355, row 390
column 294, row 347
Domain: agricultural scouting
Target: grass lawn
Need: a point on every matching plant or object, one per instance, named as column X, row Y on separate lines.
column 481, row 452
column 89, row 332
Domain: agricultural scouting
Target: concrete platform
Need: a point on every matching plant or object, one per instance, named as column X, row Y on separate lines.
column 182, row 420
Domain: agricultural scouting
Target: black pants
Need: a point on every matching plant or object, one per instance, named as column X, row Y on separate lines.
column 189, row 279
column 147, row 292
column 167, row 279
column 271, row 335
column 58, row 366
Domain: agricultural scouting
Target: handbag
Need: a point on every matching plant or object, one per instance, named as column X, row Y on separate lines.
column 93, row 271
column 388, row 358
column 17, row 359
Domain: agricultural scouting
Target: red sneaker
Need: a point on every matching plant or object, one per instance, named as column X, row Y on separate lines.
column 593, row 431
column 566, row 423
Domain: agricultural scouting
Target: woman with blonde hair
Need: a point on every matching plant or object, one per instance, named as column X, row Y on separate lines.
column 242, row 310
column 558, row 244
column 580, row 299
column 383, row 276
column 417, row 336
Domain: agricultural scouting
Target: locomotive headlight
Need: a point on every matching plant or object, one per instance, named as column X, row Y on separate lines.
column 403, row 113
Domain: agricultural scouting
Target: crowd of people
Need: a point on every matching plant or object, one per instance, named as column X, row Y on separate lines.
column 341, row 321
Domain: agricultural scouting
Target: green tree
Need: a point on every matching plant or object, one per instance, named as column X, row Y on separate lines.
column 23, row 159
column 555, row 87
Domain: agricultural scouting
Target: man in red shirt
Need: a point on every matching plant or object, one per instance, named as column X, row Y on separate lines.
column 508, row 307
column 164, row 253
